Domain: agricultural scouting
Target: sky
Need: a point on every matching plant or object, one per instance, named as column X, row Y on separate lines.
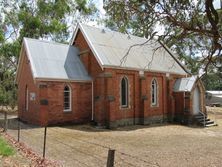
column 102, row 13
column 99, row 4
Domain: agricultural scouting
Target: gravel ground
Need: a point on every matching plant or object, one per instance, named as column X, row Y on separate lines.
column 162, row 145
column 16, row 160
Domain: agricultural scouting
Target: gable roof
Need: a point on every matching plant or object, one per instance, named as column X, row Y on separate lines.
column 118, row 50
column 55, row 61
column 185, row 84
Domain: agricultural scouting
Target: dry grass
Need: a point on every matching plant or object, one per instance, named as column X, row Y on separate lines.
column 162, row 145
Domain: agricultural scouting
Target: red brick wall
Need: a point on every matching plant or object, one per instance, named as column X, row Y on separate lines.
column 137, row 88
column 81, row 102
column 32, row 115
column 107, row 111
column 179, row 105
column 106, row 94
column 52, row 92
column 88, row 59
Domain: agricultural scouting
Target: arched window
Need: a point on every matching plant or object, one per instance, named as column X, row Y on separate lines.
column 124, row 92
column 67, row 98
column 154, row 92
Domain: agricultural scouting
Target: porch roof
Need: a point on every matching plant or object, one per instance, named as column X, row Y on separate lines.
column 184, row 84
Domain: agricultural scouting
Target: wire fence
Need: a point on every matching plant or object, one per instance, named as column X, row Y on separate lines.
column 67, row 147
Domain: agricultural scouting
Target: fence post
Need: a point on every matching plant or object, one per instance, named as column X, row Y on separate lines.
column 18, row 130
column 6, row 122
column 110, row 158
column 44, row 142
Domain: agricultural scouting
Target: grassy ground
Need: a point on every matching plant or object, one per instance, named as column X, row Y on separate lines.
column 5, row 149
column 161, row 145
column 9, row 157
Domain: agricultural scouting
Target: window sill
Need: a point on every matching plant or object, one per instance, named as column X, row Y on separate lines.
column 67, row 111
column 154, row 105
column 124, row 107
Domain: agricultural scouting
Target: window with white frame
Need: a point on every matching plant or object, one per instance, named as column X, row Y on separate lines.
column 154, row 92
column 26, row 98
column 67, row 98
column 124, row 92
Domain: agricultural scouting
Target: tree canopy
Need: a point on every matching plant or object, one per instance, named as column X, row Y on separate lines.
column 41, row 19
column 189, row 27
column 193, row 29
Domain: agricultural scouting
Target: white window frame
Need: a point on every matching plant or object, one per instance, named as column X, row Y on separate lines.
column 70, row 99
column 126, row 91
column 154, row 92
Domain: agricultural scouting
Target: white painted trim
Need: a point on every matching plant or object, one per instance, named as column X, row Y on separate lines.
column 79, row 27
column 155, row 103
column 33, row 70
column 74, row 34
column 127, row 92
column 70, row 99
column 91, row 46
column 24, row 51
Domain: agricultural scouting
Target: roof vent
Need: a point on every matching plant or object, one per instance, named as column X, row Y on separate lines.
column 103, row 31
column 128, row 37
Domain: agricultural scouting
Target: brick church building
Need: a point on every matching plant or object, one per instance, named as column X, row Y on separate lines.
column 107, row 77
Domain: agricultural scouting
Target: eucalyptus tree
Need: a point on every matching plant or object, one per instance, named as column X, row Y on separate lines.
column 40, row 19
column 190, row 28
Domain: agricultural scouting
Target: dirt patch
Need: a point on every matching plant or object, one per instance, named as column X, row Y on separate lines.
column 26, row 153
column 162, row 145
column 16, row 160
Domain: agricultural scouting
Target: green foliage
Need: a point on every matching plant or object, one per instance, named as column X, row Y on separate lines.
column 41, row 19
column 45, row 20
column 191, row 29
column 82, row 6
column 212, row 81
column 1, row 36
column 5, row 149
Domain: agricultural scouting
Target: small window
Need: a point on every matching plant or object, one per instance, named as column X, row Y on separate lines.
column 26, row 98
column 124, row 92
column 67, row 98
column 154, row 92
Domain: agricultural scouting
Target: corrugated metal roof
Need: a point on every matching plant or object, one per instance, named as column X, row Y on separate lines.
column 215, row 92
column 52, row 60
column 184, row 84
column 111, row 47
